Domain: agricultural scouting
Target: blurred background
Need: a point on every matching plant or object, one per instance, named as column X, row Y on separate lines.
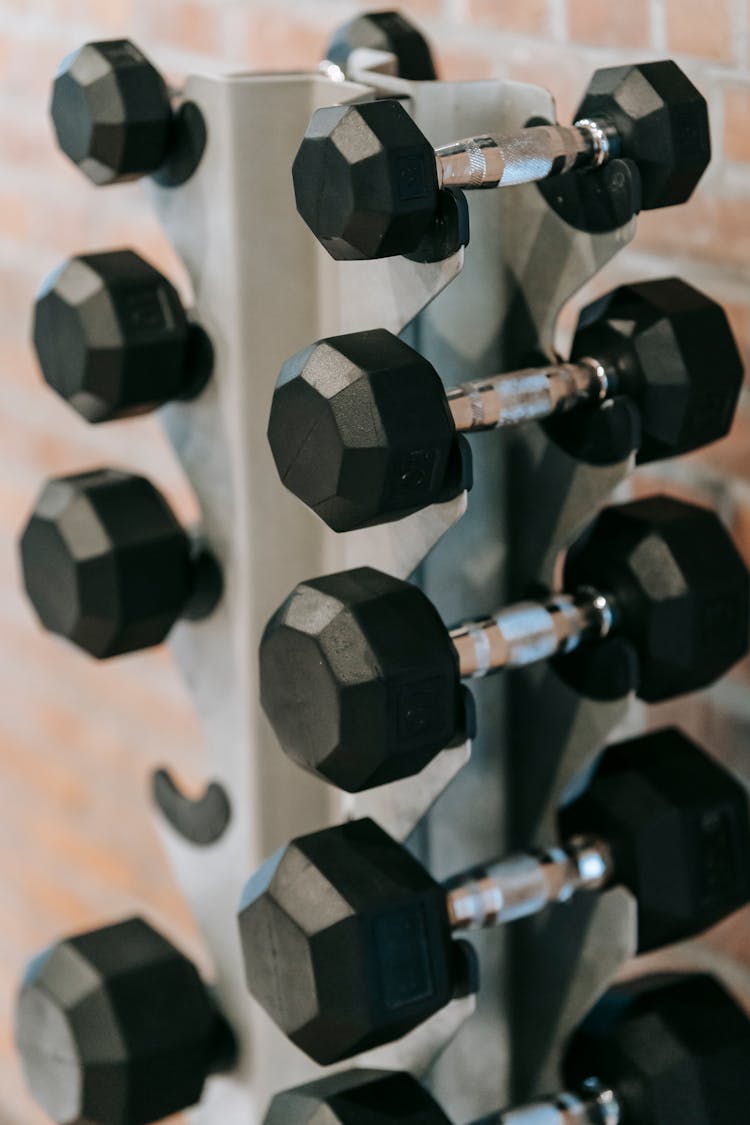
column 78, row 741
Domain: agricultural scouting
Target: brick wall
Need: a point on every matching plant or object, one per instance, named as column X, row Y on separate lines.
column 77, row 741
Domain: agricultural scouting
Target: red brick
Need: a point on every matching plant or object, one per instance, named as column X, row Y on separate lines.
column 737, row 123
column 713, row 225
column 728, row 457
column 741, row 530
column 739, row 318
column 457, row 64
column 62, row 230
column 28, row 141
column 565, row 74
column 512, row 15
column 609, row 25
column 33, row 61
column 410, row 8
column 111, row 16
column 184, row 23
column 697, row 28
column 272, row 40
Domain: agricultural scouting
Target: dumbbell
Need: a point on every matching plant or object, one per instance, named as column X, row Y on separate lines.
column 113, row 339
column 107, row 565
column 114, row 117
column 367, row 181
column 363, row 432
column 657, row 1050
column 347, row 939
column 361, row 679
column 115, row 1027
column 383, row 31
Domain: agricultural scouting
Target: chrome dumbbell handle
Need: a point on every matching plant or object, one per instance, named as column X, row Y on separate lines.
column 525, row 157
column 595, row 1104
column 527, row 395
column 528, row 632
column 525, row 884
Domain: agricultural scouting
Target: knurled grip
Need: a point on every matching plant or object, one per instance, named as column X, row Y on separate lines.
column 525, row 157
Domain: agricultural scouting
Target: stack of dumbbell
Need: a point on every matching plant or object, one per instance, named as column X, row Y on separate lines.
column 349, row 942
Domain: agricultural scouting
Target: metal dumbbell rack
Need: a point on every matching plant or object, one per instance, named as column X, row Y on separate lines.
column 263, row 289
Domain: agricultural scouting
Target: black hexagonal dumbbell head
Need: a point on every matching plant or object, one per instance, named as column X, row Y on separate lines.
column 661, row 123
column 115, row 1027
column 347, row 939
column 363, row 432
column 669, row 349
column 683, row 591
column 384, row 31
column 358, row 959
column 111, row 111
column 673, row 1048
column 360, row 678
column 677, row 827
column 360, row 430
column 655, row 1049
column 357, row 1097
column 367, row 181
column 113, row 117
column 107, row 565
column 113, row 339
